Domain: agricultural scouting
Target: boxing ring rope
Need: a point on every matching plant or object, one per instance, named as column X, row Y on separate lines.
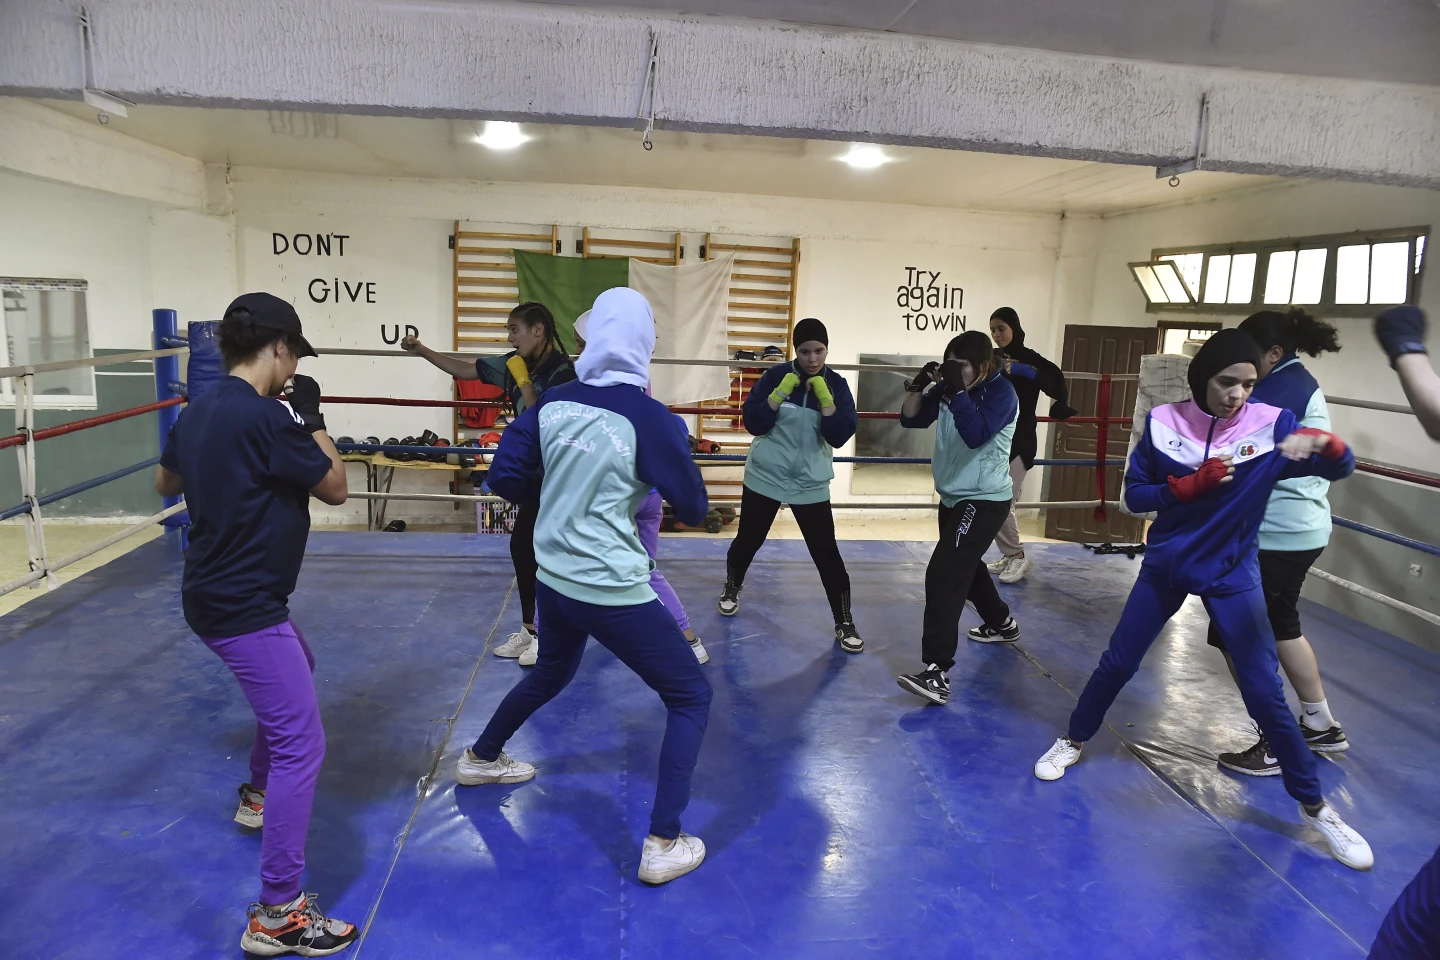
column 170, row 346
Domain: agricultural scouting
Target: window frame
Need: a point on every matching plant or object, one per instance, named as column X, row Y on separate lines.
column 68, row 401
column 1331, row 242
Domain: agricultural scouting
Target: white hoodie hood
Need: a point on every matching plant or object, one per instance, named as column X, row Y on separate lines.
column 619, row 340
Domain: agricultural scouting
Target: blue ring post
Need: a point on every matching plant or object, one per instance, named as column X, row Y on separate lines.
column 167, row 372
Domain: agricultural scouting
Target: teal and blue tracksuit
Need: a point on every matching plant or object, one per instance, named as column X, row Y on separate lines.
column 790, row 457
column 790, row 461
column 971, row 466
column 1209, row 547
column 1297, row 515
column 600, row 451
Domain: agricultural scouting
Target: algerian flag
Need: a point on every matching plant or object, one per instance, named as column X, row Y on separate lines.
column 567, row 285
column 690, row 303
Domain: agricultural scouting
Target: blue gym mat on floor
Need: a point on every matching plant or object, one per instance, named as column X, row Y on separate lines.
column 842, row 817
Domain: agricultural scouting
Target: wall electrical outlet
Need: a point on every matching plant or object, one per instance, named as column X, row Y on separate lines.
column 1416, row 570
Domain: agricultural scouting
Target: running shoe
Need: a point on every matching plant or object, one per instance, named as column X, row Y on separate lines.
column 516, row 643
column 1325, row 741
column 471, row 771
column 849, row 638
column 930, row 683
column 531, row 653
column 252, row 808
column 298, row 927
column 996, row 566
column 1258, row 761
column 1345, row 844
column 729, row 604
column 1063, row 753
column 661, row 865
column 1007, row 632
column 698, row 649
column 1016, row 568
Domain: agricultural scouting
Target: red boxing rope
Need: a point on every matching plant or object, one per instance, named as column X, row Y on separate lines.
column 1102, row 430
column 15, row 439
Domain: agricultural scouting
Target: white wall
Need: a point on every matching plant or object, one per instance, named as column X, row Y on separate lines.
column 854, row 257
column 135, row 255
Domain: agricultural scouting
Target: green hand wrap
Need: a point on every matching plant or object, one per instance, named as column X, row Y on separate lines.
column 788, row 383
column 821, row 389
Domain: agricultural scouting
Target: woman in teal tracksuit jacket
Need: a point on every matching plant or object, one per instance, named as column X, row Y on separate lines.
column 798, row 413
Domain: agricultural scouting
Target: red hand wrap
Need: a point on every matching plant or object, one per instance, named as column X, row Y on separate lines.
column 1200, row 482
column 1334, row 449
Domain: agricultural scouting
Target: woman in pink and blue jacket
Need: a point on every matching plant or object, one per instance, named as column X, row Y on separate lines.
column 1207, row 467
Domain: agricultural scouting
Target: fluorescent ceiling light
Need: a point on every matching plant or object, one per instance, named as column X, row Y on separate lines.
column 501, row 135
column 865, row 156
column 1161, row 281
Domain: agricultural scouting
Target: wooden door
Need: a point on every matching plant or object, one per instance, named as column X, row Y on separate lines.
column 1091, row 349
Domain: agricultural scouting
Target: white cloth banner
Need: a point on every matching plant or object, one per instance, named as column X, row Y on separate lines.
column 690, row 303
column 1162, row 380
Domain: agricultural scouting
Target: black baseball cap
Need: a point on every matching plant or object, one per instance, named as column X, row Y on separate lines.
column 268, row 310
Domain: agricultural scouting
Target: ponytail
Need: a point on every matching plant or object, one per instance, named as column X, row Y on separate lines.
column 533, row 313
column 1293, row 332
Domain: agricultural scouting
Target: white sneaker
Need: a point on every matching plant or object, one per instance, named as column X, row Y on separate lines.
column 516, row 644
column 996, row 566
column 658, row 865
column 699, row 649
column 1345, row 844
column 531, row 653
column 1016, row 568
column 472, row 771
column 1057, row 758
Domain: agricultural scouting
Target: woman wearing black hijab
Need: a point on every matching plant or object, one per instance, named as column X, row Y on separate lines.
column 1030, row 374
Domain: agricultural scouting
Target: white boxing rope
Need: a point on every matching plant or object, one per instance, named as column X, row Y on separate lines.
column 115, row 538
column 27, row 369
column 1378, row 597
column 1369, row 405
column 91, row 550
column 872, row 367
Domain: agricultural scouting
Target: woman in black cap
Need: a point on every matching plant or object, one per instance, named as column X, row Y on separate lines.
column 798, row 413
column 1207, row 466
column 1030, row 374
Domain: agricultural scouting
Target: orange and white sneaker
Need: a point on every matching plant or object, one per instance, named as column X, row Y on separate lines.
column 252, row 807
column 298, row 927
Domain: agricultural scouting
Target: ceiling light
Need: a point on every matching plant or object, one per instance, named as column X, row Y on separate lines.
column 865, row 156
column 501, row 135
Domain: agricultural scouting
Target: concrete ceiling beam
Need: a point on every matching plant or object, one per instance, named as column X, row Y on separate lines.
column 562, row 64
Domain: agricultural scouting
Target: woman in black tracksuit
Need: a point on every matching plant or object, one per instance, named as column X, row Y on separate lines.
column 1031, row 375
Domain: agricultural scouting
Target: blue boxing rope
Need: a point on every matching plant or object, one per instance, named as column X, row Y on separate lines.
column 1420, row 545
column 80, row 487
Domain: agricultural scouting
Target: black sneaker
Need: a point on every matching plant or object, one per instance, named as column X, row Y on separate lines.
column 1325, row 741
column 729, row 604
column 932, row 684
column 298, row 927
column 1007, row 632
column 1258, row 761
column 849, row 638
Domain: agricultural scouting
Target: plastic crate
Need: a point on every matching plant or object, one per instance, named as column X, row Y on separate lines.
column 493, row 517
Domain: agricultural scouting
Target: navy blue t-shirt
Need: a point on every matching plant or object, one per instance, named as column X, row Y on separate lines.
column 248, row 469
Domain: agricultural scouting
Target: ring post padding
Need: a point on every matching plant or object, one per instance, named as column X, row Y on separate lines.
column 206, row 367
column 167, row 371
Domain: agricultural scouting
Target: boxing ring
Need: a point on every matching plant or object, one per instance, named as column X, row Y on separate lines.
column 842, row 819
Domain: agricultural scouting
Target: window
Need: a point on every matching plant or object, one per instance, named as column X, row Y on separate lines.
column 1344, row 275
column 44, row 322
